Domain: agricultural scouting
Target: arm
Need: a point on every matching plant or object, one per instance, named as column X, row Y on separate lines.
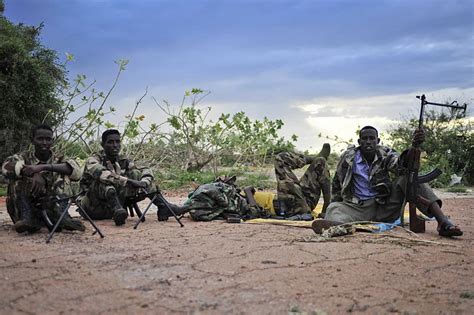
column 62, row 168
column 97, row 171
column 146, row 177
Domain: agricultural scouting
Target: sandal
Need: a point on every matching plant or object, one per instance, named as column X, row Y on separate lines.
column 448, row 229
column 320, row 224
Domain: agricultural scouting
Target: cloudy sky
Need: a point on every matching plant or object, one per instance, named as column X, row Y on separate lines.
column 321, row 66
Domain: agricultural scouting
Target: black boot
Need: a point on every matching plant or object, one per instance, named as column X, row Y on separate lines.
column 164, row 213
column 27, row 221
column 71, row 224
column 119, row 213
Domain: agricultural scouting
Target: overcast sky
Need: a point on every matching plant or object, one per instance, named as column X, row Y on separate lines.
column 321, row 66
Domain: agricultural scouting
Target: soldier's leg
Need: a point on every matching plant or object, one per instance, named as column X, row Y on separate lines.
column 21, row 210
column 428, row 203
column 346, row 212
column 315, row 180
column 288, row 186
column 54, row 211
column 102, row 202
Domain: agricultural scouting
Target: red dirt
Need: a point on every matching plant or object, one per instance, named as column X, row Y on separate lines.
column 216, row 268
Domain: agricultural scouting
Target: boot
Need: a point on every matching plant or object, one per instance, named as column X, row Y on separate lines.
column 26, row 222
column 325, row 151
column 163, row 213
column 71, row 224
column 119, row 213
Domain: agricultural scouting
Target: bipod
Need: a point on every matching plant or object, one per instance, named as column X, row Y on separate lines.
column 155, row 196
column 63, row 214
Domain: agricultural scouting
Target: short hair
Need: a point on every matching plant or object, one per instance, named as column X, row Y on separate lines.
column 39, row 127
column 109, row 132
column 368, row 127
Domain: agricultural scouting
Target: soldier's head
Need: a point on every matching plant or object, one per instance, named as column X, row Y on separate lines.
column 111, row 142
column 42, row 139
column 368, row 140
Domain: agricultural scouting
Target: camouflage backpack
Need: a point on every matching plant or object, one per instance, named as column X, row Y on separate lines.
column 218, row 199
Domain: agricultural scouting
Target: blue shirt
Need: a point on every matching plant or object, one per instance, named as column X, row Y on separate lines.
column 360, row 176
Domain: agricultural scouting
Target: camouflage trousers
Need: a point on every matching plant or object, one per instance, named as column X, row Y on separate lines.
column 95, row 201
column 19, row 196
column 300, row 195
column 370, row 210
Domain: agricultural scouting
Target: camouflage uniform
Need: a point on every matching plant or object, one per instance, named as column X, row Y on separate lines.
column 212, row 200
column 301, row 195
column 386, row 206
column 19, row 186
column 101, row 175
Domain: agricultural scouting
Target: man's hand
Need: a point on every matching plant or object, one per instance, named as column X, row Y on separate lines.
column 39, row 184
column 136, row 183
column 418, row 137
column 30, row 170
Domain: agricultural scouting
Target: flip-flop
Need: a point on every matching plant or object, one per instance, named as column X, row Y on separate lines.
column 320, row 224
column 448, row 229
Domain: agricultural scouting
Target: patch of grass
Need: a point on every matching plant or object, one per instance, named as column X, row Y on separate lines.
column 179, row 179
column 467, row 295
column 3, row 190
column 257, row 180
column 457, row 189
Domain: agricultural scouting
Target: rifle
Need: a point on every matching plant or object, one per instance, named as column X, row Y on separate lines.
column 71, row 200
column 155, row 195
column 413, row 166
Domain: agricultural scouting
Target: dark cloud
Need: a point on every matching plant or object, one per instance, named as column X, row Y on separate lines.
column 264, row 55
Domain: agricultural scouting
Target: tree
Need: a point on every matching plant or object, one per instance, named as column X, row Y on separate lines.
column 449, row 143
column 196, row 141
column 30, row 75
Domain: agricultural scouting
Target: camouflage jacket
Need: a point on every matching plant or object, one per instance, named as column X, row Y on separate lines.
column 386, row 161
column 98, row 167
column 55, row 182
column 211, row 200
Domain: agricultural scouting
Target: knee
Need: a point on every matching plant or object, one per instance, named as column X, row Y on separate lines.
column 335, row 212
column 110, row 192
column 279, row 160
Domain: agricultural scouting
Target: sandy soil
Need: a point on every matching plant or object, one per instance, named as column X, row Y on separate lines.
column 217, row 267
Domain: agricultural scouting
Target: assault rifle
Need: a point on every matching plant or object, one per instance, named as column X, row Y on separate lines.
column 413, row 166
column 70, row 200
column 154, row 196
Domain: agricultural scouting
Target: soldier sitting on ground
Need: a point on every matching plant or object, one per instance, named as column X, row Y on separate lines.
column 111, row 180
column 300, row 196
column 35, row 179
column 363, row 191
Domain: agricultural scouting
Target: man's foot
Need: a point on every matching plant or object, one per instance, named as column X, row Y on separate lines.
column 164, row 213
column 448, row 229
column 320, row 224
column 23, row 225
column 120, row 215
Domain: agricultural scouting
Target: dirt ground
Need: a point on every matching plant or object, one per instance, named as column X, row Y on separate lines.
column 217, row 268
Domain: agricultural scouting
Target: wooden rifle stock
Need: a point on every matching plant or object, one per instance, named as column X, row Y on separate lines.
column 413, row 166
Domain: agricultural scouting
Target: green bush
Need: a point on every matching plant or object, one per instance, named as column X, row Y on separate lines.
column 3, row 190
column 457, row 189
column 30, row 77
